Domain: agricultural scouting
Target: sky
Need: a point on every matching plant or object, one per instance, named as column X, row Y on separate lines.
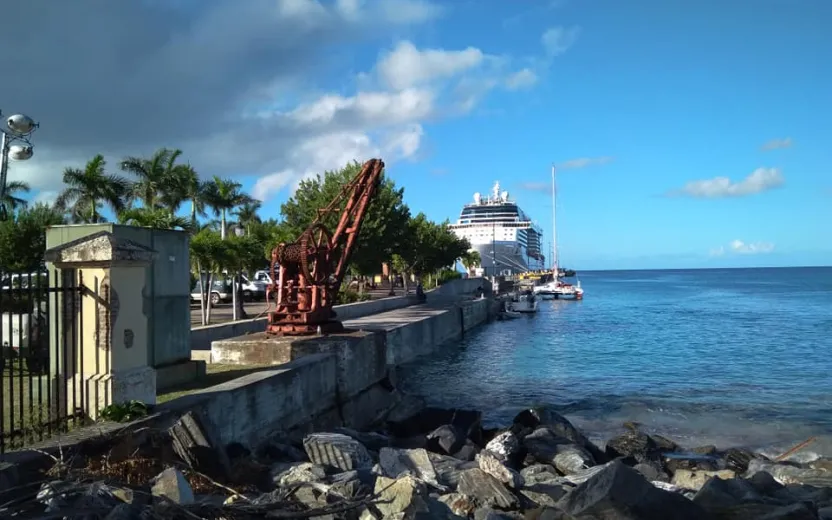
column 685, row 133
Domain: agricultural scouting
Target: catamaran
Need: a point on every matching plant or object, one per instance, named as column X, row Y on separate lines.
column 556, row 288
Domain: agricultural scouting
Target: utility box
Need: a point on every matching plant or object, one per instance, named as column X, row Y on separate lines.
column 166, row 297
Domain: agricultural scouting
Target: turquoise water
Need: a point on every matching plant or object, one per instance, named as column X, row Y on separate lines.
column 726, row 357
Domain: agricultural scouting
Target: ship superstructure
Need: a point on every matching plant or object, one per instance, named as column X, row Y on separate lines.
column 505, row 237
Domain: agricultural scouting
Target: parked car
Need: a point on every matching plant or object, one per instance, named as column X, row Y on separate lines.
column 253, row 289
column 220, row 291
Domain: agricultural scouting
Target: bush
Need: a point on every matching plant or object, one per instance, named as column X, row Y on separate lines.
column 446, row 275
column 350, row 296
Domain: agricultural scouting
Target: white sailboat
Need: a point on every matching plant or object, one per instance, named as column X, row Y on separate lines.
column 556, row 288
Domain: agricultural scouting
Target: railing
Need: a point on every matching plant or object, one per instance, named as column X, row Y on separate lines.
column 41, row 321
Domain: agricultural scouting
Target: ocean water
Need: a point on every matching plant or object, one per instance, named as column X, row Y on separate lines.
column 731, row 357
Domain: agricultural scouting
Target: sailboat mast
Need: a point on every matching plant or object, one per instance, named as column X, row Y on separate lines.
column 554, row 228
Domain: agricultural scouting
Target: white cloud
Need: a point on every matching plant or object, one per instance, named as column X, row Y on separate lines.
column 777, row 144
column 557, row 40
column 584, row 162
column 406, row 66
column 738, row 247
column 521, row 79
column 758, row 181
column 536, row 186
column 251, row 102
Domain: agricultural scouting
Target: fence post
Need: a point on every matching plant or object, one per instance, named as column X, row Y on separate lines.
column 110, row 364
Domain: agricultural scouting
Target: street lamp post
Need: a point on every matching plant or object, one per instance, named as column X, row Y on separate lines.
column 15, row 144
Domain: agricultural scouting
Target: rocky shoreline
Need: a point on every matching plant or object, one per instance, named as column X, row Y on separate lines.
column 430, row 463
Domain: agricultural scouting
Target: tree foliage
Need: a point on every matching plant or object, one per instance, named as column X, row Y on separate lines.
column 23, row 238
column 429, row 247
column 383, row 229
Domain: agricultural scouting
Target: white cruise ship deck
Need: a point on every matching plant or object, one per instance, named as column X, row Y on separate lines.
column 507, row 240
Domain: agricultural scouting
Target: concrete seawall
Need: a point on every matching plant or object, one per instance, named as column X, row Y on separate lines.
column 202, row 337
column 322, row 382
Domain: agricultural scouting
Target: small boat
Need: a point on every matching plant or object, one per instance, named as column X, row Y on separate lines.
column 560, row 291
column 511, row 315
column 525, row 302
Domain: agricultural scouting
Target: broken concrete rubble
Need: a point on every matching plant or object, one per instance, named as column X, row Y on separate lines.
column 540, row 467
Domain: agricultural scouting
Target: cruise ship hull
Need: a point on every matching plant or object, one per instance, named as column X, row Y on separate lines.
column 508, row 257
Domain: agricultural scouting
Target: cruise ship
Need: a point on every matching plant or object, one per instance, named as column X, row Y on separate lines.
column 507, row 240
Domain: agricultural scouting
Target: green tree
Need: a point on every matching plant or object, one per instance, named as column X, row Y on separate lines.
column 156, row 179
column 247, row 215
column 384, row 226
column 223, row 195
column 88, row 190
column 471, row 259
column 158, row 218
column 209, row 256
column 430, row 247
column 12, row 199
column 23, row 238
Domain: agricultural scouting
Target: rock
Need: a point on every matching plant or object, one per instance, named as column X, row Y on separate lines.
column 427, row 419
column 486, row 489
column 287, row 474
column 667, row 486
column 543, row 494
column 796, row 511
column 468, row 451
column 665, row 445
column 459, row 504
column 446, row 440
column 757, row 511
column 124, row 512
column 738, row 459
column 370, row 440
column 403, row 495
column 397, row 463
column 787, row 473
column 692, row 461
column 584, row 475
column 695, row 479
column 280, row 452
column 765, row 483
column 619, row 491
column 172, row 485
column 488, row 513
column 494, row 467
column 561, row 426
column 651, row 471
column 505, row 446
column 710, row 449
column 549, row 448
column 448, row 469
column 635, row 445
column 336, row 450
column 194, row 440
column 540, row 474
column 820, row 497
column 717, row 494
column 548, row 513
column 439, row 510
column 825, row 513
column 821, row 463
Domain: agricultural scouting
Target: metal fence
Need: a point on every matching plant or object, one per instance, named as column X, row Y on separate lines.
column 41, row 326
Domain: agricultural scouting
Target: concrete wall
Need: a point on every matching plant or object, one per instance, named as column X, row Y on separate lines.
column 342, row 383
column 461, row 287
column 202, row 337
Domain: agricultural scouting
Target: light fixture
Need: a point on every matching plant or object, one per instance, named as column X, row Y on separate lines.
column 15, row 145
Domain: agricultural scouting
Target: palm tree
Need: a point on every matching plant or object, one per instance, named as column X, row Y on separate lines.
column 247, row 215
column 88, row 190
column 156, row 178
column 11, row 198
column 223, row 195
column 194, row 190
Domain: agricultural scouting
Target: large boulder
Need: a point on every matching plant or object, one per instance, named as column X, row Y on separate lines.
column 620, row 492
column 487, row 490
column 534, row 418
column 336, row 450
column 546, row 447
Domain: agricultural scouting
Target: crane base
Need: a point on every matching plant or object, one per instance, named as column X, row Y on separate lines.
column 304, row 329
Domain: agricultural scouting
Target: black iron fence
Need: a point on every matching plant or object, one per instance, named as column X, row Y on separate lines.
column 41, row 329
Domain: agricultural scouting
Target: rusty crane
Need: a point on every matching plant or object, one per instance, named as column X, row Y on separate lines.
column 307, row 274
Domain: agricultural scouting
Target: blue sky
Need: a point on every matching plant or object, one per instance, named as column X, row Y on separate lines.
column 672, row 93
column 656, row 100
